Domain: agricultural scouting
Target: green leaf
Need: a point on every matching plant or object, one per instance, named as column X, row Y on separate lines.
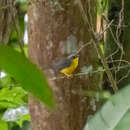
column 5, row 81
column 23, row 118
column 109, row 117
column 3, row 125
column 124, row 123
column 30, row 77
column 102, row 6
column 12, row 97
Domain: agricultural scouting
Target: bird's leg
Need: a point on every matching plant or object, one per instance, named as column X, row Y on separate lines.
column 69, row 76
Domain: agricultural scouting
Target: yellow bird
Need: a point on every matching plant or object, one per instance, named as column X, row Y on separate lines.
column 67, row 65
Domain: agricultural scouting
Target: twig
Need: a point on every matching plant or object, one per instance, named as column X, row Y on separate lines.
column 118, row 32
column 123, row 77
column 85, row 18
column 105, row 65
column 108, row 26
column 125, row 61
column 96, row 43
column 112, row 54
column 118, row 67
column 83, row 46
column 86, row 73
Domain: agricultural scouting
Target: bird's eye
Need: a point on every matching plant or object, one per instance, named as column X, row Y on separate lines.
column 74, row 57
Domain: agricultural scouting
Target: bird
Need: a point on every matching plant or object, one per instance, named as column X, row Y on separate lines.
column 66, row 65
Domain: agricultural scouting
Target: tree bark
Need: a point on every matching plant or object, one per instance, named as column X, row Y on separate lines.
column 7, row 11
column 56, row 29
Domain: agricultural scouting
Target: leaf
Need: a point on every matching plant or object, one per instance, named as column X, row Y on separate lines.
column 3, row 125
column 12, row 97
column 102, row 6
column 30, row 77
column 124, row 123
column 5, row 81
column 109, row 117
column 23, row 118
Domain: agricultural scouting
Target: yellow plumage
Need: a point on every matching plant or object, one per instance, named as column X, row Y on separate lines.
column 70, row 69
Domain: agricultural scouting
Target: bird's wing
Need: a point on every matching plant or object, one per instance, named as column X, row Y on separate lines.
column 64, row 63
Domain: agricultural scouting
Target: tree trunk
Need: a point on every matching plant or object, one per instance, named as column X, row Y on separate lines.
column 56, row 29
column 117, row 47
column 7, row 11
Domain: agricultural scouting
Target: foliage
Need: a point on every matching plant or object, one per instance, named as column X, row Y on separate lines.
column 11, row 96
column 102, row 6
column 30, row 77
column 17, row 31
column 22, row 119
column 124, row 123
column 3, row 125
column 115, row 114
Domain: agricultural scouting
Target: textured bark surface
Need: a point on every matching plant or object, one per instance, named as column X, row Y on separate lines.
column 56, row 29
column 7, row 10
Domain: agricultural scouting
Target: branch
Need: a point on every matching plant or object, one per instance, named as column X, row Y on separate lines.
column 105, row 65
